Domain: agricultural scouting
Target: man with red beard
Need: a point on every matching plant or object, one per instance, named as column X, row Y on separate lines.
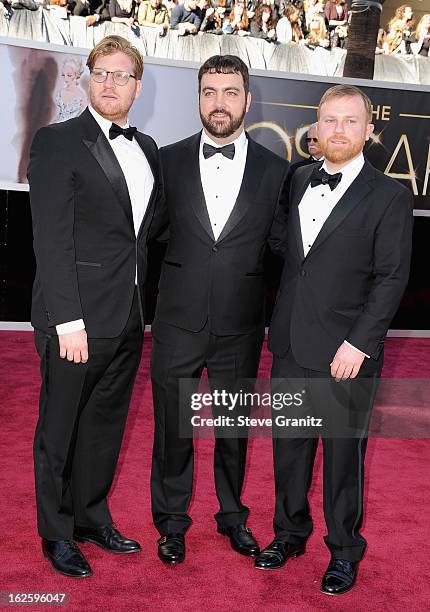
column 95, row 185
column 347, row 264
column 223, row 198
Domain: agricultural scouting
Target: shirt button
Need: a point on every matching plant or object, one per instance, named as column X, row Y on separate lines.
column 216, row 196
column 302, row 272
column 313, row 219
column 322, row 195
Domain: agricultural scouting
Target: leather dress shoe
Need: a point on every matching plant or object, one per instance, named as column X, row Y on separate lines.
column 107, row 537
column 66, row 558
column 339, row 577
column 277, row 553
column 171, row 548
column 241, row 540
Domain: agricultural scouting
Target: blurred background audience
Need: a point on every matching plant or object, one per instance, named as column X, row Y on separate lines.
column 313, row 23
column 263, row 24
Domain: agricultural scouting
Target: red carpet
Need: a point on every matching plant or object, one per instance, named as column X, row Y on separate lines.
column 393, row 576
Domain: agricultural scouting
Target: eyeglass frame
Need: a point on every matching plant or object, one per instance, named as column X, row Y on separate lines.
column 112, row 72
column 308, row 140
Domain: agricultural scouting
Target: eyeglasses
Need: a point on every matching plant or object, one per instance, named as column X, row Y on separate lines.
column 308, row 140
column 119, row 76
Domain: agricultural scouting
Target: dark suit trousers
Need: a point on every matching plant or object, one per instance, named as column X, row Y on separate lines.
column 177, row 354
column 82, row 415
column 343, row 462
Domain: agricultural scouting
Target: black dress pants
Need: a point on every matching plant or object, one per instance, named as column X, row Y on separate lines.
column 343, row 461
column 181, row 354
column 82, row 415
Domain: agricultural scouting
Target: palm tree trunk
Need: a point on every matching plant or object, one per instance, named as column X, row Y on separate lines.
column 362, row 37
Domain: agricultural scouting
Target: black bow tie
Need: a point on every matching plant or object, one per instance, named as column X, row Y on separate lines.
column 227, row 150
column 116, row 130
column 321, row 177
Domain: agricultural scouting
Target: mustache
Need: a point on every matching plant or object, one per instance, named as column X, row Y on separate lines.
column 219, row 110
column 342, row 138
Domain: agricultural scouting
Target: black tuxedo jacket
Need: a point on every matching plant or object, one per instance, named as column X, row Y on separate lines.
column 220, row 281
column 84, row 239
column 350, row 284
column 299, row 164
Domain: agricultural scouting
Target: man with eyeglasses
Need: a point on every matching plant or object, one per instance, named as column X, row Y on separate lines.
column 314, row 150
column 94, row 188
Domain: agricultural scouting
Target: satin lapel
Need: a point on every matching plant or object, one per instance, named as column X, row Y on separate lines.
column 300, row 186
column 100, row 148
column 355, row 193
column 153, row 164
column 194, row 183
column 248, row 189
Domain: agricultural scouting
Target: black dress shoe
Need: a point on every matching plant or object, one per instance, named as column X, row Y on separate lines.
column 171, row 548
column 241, row 540
column 66, row 558
column 277, row 553
column 108, row 538
column 339, row 577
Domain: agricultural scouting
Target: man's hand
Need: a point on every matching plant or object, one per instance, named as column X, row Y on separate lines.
column 346, row 363
column 74, row 346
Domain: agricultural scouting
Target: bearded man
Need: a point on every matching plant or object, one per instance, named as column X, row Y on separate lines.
column 224, row 195
column 95, row 184
column 347, row 261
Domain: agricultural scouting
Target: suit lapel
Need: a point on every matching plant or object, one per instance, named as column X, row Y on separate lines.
column 248, row 189
column 296, row 197
column 153, row 164
column 196, row 195
column 99, row 147
column 355, row 193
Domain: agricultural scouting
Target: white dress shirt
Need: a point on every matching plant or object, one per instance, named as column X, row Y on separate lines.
column 318, row 202
column 140, row 180
column 221, row 180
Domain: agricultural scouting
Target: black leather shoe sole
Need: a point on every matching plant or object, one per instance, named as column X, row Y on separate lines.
column 168, row 561
column 64, row 573
column 339, row 593
column 294, row 555
column 85, row 540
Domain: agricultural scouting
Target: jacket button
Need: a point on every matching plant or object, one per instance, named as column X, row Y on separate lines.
column 302, row 272
column 215, row 249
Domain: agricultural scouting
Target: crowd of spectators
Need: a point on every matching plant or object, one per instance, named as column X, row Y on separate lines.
column 404, row 35
column 314, row 23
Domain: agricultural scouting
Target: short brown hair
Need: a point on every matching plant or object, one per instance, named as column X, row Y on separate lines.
column 339, row 91
column 225, row 64
column 114, row 44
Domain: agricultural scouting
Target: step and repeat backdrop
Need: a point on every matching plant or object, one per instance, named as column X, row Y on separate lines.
column 42, row 84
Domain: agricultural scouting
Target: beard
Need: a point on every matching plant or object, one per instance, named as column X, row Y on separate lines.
column 341, row 154
column 222, row 127
column 111, row 109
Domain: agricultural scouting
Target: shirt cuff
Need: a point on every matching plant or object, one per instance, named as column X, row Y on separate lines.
column 70, row 327
column 356, row 349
